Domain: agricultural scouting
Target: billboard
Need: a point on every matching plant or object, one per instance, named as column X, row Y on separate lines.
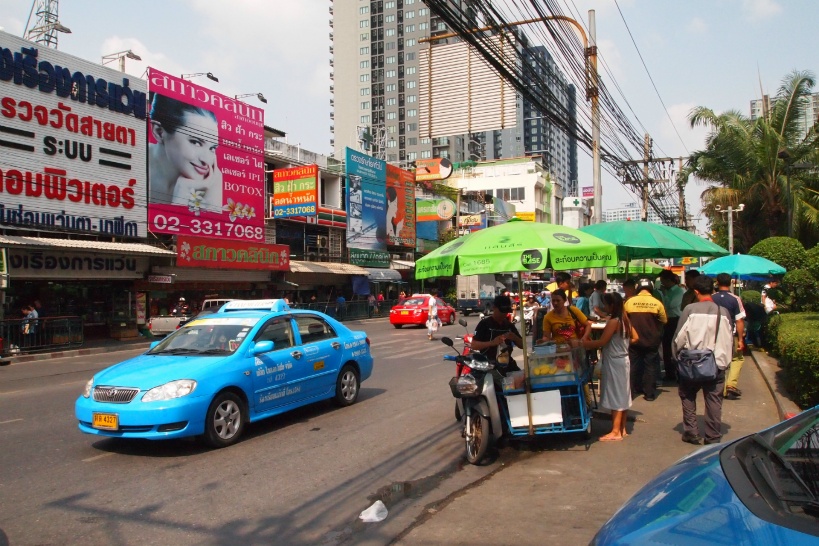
column 227, row 254
column 72, row 151
column 434, row 210
column 295, row 191
column 432, row 169
column 459, row 92
column 205, row 162
column 400, row 219
column 366, row 201
column 588, row 192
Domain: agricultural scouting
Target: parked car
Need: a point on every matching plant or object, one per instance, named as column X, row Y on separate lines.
column 415, row 310
column 166, row 324
column 761, row 489
column 250, row 360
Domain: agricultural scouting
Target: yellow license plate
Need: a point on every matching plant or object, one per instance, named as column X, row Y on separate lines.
column 405, row 312
column 106, row 421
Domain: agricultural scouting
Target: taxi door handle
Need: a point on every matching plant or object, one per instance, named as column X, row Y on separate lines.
column 336, row 345
column 296, row 354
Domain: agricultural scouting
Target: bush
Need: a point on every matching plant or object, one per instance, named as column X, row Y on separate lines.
column 751, row 295
column 812, row 262
column 785, row 251
column 800, row 287
column 795, row 339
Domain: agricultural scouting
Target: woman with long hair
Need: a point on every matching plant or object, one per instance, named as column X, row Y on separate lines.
column 615, row 384
column 182, row 156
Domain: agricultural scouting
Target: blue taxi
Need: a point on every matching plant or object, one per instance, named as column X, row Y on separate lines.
column 250, row 360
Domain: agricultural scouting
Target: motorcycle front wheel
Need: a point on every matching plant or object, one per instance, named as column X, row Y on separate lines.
column 477, row 436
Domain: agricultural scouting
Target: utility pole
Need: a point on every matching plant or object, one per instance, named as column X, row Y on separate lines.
column 681, row 189
column 592, row 93
column 646, row 179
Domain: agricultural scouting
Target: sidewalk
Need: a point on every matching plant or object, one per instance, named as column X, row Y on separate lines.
column 561, row 490
column 89, row 347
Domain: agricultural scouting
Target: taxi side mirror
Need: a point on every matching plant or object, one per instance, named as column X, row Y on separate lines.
column 262, row 347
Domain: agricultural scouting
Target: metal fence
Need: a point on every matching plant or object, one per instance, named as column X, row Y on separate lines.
column 351, row 310
column 41, row 334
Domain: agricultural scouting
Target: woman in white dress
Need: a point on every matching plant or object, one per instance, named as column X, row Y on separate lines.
column 432, row 318
column 615, row 386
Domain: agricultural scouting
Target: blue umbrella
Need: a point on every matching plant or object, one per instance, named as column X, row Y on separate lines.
column 743, row 266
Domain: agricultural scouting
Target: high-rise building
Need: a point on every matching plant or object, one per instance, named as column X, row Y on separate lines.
column 375, row 61
column 808, row 118
column 633, row 212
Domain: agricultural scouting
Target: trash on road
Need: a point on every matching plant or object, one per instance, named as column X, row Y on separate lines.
column 376, row 512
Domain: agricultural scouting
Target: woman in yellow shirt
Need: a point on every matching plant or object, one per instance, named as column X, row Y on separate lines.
column 561, row 323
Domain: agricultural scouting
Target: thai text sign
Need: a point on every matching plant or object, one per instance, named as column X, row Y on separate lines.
column 588, row 192
column 205, row 162
column 366, row 201
column 47, row 264
column 295, row 191
column 429, row 210
column 72, row 152
column 400, row 207
column 225, row 254
column 369, row 258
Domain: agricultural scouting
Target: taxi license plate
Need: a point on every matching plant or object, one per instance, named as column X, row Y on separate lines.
column 405, row 312
column 106, row 421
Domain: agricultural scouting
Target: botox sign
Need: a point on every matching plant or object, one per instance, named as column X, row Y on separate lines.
column 72, row 143
column 205, row 162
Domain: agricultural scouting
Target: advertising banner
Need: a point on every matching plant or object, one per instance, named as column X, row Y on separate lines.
column 588, row 192
column 369, row 258
column 72, row 150
column 366, row 201
column 432, row 169
column 429, row 210
column 57, row 264
column 525, row 216
column 295, row 192
column 205, row 162
column 400, row 207
column 225, row 254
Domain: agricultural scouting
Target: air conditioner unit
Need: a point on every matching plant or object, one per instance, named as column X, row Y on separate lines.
column 323, row 241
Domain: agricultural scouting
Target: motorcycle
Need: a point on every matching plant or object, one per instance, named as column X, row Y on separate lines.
column 474, row 388
column 528, row 319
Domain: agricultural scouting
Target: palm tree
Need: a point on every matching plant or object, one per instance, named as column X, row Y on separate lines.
column 752, row 161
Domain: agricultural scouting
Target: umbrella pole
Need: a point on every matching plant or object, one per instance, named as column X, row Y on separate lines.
column 526, row 383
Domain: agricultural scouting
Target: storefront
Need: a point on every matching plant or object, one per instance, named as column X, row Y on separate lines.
column 94, row 280
column 325, row 280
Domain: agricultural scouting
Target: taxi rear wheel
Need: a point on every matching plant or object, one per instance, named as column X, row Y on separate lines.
column 347, row 386
column 224, row 421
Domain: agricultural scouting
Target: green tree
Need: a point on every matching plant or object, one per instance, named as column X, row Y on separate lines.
column 756, row 162
column 785, row 251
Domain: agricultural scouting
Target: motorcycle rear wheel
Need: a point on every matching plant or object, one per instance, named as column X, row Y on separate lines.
column 477, row 438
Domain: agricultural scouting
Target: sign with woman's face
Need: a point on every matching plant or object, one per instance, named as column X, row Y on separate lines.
column 205, row 162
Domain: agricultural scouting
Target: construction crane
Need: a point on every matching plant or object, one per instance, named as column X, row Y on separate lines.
column 43, row 24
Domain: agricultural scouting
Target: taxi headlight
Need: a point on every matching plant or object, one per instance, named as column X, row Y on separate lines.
column 86, row 393
column 169, row 391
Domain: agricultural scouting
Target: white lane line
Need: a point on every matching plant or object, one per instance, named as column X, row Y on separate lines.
column 92, row 459
column 9, row 421
column 431, row 365
column 416, row 352
column 9, row 392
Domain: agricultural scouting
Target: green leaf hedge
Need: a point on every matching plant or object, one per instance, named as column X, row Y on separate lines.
column 794, row 338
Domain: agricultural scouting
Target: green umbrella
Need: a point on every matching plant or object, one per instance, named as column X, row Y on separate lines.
column 635, row 267
column 646, row 240
column 517, row 246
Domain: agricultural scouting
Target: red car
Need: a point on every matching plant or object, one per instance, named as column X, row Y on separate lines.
column 413, row 310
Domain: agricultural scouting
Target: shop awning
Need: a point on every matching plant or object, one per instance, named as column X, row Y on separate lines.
column 138, row 249
column 402, row 264
column 332, row 268
column 377, row 274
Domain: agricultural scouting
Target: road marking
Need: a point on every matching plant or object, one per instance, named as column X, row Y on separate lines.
column 9, row 421
column 91, row 459
column 408, row 353
column 9, row 392
column 429, row 366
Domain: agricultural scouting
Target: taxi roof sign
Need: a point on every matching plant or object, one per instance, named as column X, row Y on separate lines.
column 255, row 305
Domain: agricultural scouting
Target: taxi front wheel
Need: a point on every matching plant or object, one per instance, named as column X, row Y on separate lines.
column 347, row 386
column 224, row 421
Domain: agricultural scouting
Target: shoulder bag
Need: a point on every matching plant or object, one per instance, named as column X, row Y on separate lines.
column 579, row 329
column 699, row 365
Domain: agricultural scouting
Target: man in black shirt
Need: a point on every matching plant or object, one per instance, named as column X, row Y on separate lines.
column 496, row 329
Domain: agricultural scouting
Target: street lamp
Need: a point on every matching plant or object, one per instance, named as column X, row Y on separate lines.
column 730, row 212
column 45, row 34
column 257, row 95
column 121, row 56
column 208, row 74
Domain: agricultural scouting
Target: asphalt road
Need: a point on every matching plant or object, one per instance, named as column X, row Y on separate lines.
column 304, row 477
column 301, row 478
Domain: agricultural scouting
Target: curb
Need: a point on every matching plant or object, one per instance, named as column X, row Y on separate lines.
column 785, row 407
column 76, row 352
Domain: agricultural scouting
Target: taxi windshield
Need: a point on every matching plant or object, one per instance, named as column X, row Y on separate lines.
column 212, row 336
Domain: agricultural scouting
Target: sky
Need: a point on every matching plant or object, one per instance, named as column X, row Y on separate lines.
column 715, row 53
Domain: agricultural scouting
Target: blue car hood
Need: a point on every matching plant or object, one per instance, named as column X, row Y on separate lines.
column 148, row 371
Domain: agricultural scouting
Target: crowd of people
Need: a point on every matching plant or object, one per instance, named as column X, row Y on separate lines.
column 651, row 331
